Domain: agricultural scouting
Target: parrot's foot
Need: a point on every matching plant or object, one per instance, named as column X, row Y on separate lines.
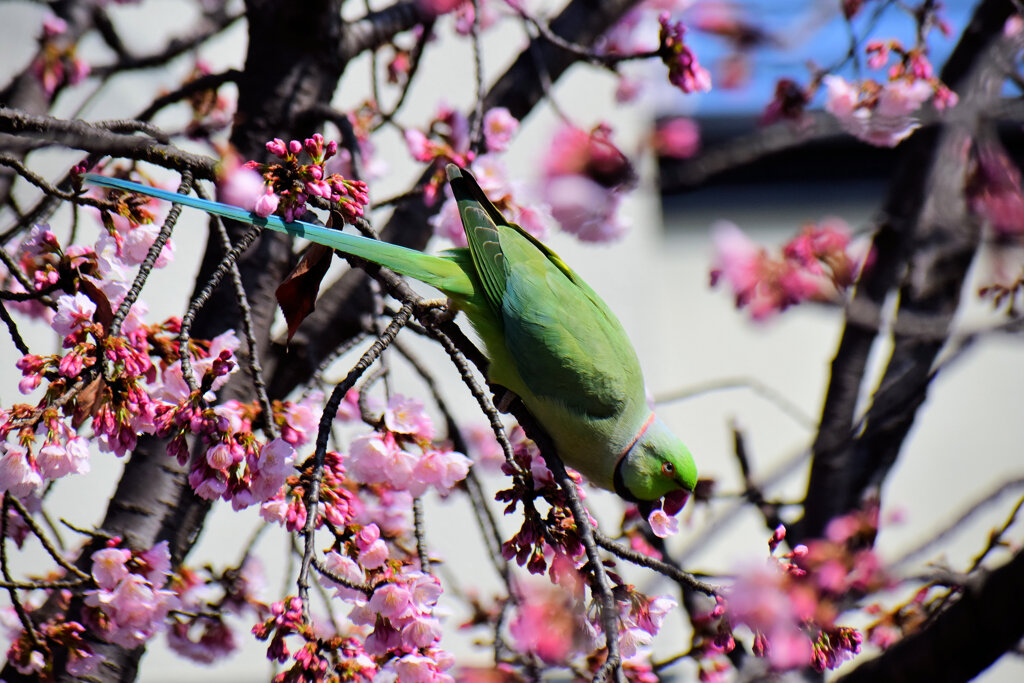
column 444, row 311
column 505, row 401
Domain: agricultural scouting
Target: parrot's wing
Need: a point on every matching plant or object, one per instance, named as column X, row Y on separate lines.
column 480, row 220
column 566, row 344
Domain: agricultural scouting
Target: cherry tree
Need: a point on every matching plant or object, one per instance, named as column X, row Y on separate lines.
column 309, row 419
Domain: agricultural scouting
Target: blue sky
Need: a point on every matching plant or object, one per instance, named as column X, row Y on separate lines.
column 813, row 30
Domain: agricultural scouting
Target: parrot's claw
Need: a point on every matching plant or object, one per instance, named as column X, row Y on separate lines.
column 505, row 401
column 444, row 311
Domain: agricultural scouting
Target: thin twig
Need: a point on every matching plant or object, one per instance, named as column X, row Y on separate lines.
column 26, row 621
column 421, row 535
column 12, row 327
column 146, row 267
column 312, row 500
column 248, row 331
column 223, row 268
column 26, row 516
column 981, row 503
column 766, row 392
column 684, row 579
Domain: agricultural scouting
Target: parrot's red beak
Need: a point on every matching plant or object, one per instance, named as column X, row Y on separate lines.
column 675, row 501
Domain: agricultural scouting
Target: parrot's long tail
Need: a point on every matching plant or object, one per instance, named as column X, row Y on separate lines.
column 444, row 273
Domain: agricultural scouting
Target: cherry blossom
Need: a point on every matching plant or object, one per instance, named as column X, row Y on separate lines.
column 406, row 415
column 684, row 71
column 499, row 128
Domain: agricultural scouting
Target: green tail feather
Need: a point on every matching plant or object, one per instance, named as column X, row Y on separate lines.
column 446, row 274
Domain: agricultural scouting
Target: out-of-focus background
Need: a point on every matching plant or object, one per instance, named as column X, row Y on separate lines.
column 965, row 443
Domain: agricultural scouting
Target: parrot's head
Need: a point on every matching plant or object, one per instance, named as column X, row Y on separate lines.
column 656, row 464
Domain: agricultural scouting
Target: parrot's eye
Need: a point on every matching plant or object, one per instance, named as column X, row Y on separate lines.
column 668, row 469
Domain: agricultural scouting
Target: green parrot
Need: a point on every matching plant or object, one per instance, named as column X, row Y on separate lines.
column 549, row 337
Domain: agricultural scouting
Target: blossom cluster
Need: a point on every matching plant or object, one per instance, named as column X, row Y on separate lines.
column 489, row 171
column 684, row 70
column 287, row 184
column 884, row 113
column 793, row 602
column 57, row 63
column 102, row 375
column 199, row 631
column 819, row 264
column 447, row 141
column 551, row 624
column 585, row 178
column 130, row 602
column 994, row 190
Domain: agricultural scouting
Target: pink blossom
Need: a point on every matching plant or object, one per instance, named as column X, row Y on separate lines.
column 447, row 223
column 436, row 8
column 902, row 98
column 242, row 186
column 628, row 89
column 137, row 243
column 275, row 510
column 631, row 640
column 419, row 145
column 53, row 25
column 684, row 71
column 1013, row 25
column 373, row 552
column 391, row 510
column 543, row 626
column 55, row 461
column 483, row 446
column 492, row 176
column 585, row 208
column 346, row 568
column 841, row 97
column 831, row 576
column 414, row 668
column 788, row 648
column 662, row 524
column 442, row 469
column 274, row 465
column 534, row 219
column 657, row 609
column 499, row 128
column 758, row 600
column 421, row 631
column 17, row 476
column 221, row 456
column 391, row 601
column 885, row 120
column 737, row 259
column 73, row 312
column 108, row 566
column 879, row 53
column 408, row 416
column 208, row 484
column 424, row 590
column 368, row 457
column 465, row 14
column 40, row 241
column 156, row 562
column 348, row 410
column 302, row 419
column 266, row 204
column 215, row 640
column 678, row 138
column 994, row 191
column 135, row 609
